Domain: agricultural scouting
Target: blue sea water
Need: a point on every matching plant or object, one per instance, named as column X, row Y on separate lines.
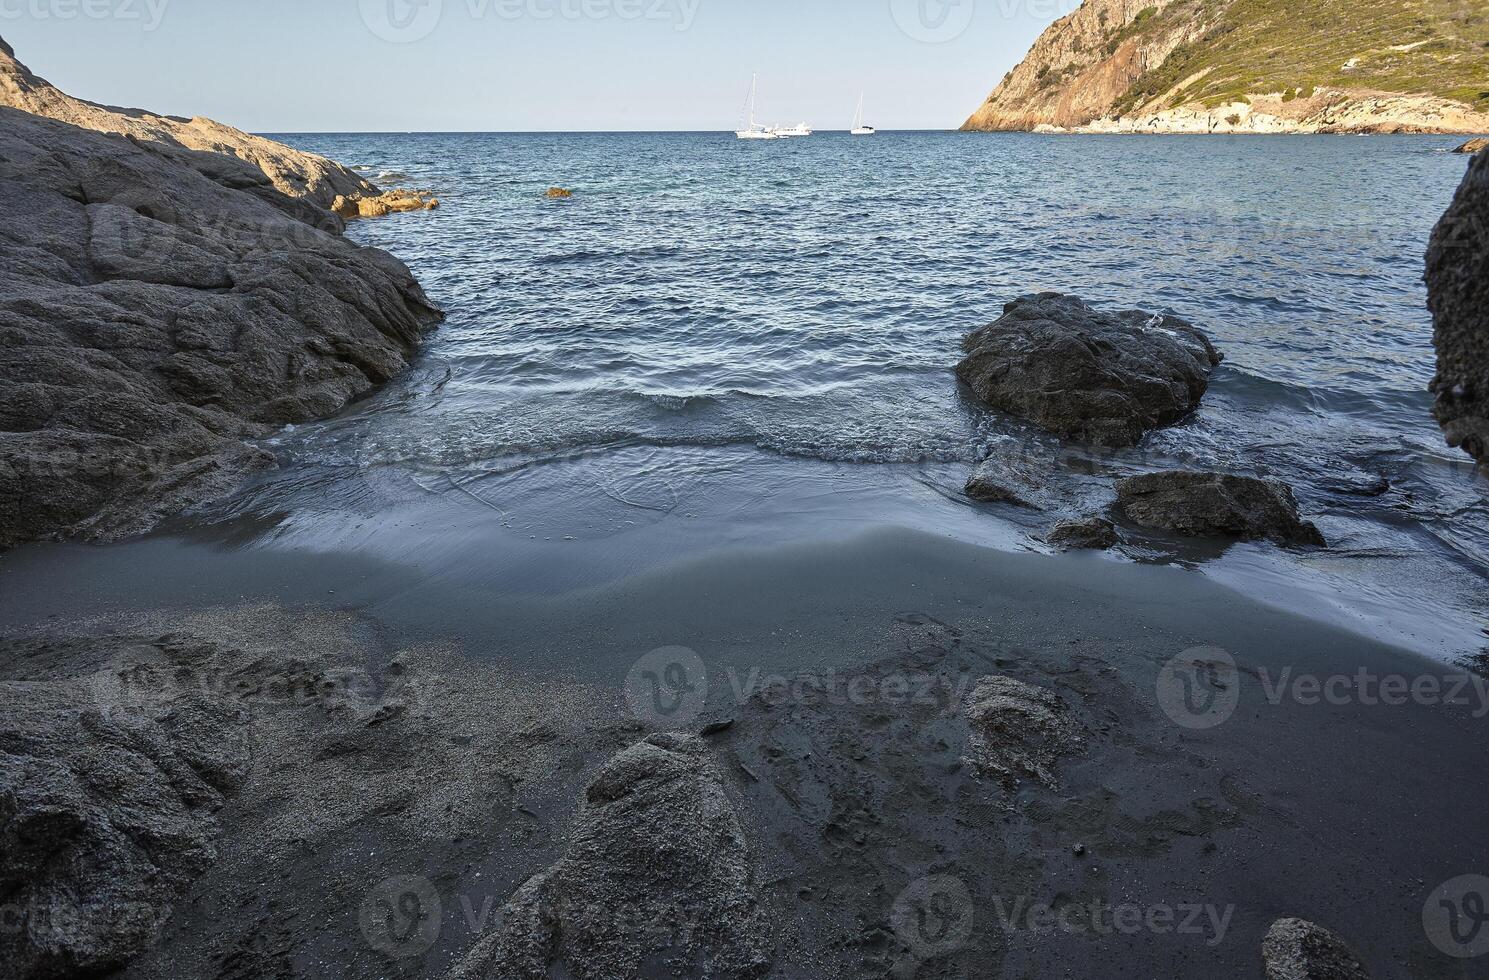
column 727, row 332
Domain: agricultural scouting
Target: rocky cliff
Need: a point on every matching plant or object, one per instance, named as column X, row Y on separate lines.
column 158, row 306
column 324, row 183
column 1252, row 66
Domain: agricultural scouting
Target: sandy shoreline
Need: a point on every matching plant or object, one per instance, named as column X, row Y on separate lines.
column 847, row 800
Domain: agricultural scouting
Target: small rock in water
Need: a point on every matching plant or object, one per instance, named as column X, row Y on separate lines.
column 557, row 192
column 1216, row 504
column 1296, row 949
column 1090, row 533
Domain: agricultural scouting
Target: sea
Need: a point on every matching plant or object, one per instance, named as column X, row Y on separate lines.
column 718, row 344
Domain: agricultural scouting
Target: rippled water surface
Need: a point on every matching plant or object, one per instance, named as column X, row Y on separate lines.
column 708, row 323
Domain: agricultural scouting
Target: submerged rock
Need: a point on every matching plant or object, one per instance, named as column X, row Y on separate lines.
column 1012, row 477
column 559, row 192
column 1216, row 504
column 1088, row 533
column 1295, row 949
column 1474, row 146
column 158, row 307
column 1019, row 731
column 1458, row 295
column 1102, row 378
column 657, row 878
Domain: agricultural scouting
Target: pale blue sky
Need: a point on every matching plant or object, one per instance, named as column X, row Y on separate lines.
column 399, row 65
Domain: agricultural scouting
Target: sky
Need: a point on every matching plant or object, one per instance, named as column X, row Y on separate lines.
column 516, row 65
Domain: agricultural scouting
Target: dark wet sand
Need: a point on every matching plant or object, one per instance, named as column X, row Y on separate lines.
column 1347, row 814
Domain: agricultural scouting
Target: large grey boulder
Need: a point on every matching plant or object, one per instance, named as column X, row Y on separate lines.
column 157, row 307
column 109, row 788
column 1458, row 295
column 1296, row 949
column 1101, row 378
column 656, row 881
column 1216, row 505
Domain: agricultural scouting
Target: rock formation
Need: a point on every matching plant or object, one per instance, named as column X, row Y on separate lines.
column 1474, row 146
column 657, row 878
column 1295, row 949
column 158, row 305
column 1216, row 504
column 1019, row 731
column 293, row 172
column 1101, row 378
column 109, row 785
column 1458, row 294
column 1085, row 533
column 1221, row 66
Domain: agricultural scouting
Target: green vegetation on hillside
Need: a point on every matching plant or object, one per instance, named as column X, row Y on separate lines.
column 1435, row 47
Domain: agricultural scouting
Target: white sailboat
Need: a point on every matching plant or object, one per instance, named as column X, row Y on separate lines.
column 859, row 129
column 752, row 129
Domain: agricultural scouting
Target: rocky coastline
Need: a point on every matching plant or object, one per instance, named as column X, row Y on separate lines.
column 160, row 304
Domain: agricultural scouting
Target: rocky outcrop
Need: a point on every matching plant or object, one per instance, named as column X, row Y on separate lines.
column 386, row 203
column 1295, row 949
column 657, row 878
column 293, row 172
column 1202, row 66
column 157, row 307
column 1084, row 533
column 1474, row 146
column 108, row 795
column 1216, row 505
column 1100, row 378
column 1458, row 295
column 1019, row 731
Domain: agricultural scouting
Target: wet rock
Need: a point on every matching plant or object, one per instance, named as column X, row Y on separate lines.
column 1019, row 731
column 657, row 878
column 1012, row 476
column 109, row 786
column 558, row 192
column 1295, row 949
column 1474, row 146
column 1458, row 295
column 1216, row 504
column 158, row 307
column 1085, row 533
column 1101, row 378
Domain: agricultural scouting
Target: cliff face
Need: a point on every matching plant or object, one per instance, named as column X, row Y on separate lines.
column 1258, row 66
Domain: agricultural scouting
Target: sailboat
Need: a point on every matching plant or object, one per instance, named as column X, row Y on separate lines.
column 859, row 129
column 753, row 130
